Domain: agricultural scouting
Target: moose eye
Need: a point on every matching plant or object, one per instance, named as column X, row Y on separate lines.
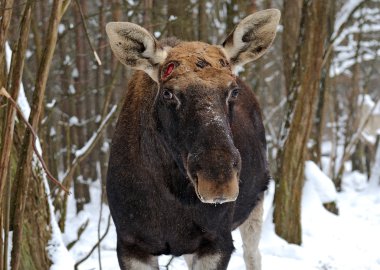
column 234, row 93
column 166, row 94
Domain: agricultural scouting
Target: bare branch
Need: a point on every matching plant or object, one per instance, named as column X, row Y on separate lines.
column 87, row 35
column 82, row 153
column 4, row 93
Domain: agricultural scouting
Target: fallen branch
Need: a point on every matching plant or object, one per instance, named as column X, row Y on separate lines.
column 4, row 93
column 96, row 245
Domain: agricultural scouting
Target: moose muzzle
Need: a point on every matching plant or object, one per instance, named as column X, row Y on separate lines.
column 215, row 175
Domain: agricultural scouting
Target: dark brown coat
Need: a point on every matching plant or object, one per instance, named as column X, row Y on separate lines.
column 188, row 157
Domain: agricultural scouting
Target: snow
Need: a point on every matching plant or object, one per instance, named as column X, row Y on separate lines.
column 369, row 104
column 375, row 172
column 365, row 21
column 105, row 147
column 345, row 242
column 57, row 251
column 344, row 13
column 172, row 18
column 366, row 100
column 73, row 121
column 8, row 55
column 28, row 54
column 355, row 181
column 51, row 104
column 61, row 28
column 71, row 89
column 368, row 138
column 53, row 132
column 75, row 73
column 322, row 184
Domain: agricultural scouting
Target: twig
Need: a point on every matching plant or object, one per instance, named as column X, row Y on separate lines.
column 96, row 245
column 100, row 213
column 80, row 231
column 169, row 262
column 86, row 32
column 4, row 93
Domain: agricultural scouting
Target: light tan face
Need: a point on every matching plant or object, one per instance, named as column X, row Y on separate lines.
column 197, row 63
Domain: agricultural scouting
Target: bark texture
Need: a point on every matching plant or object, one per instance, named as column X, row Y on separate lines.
column 303, row 89
column 23, row 175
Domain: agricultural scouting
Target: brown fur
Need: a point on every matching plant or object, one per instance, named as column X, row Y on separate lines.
column 188, row 54
column 188, row 157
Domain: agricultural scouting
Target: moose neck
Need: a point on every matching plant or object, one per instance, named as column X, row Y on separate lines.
column 135, row 127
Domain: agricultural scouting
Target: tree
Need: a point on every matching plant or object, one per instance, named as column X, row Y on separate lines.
column 21, row 221
column 301, row 97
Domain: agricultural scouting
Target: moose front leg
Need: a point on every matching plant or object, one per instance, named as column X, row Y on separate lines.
column 129, row 260
column 215, row 258
column 250, row 232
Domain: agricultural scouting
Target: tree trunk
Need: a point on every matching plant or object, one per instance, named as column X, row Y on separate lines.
column 102, row 95
column 202, row 21
column 5, row 19
column 147, row 15
column 352, row 123
column 13, row 87
column 22, row 178
column 36, row 230
column 303, row 88
column 81, row 188
column 181, row 23
column 324, row 91
column 291, row 18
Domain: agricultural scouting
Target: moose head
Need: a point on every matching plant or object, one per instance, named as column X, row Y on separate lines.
column 197, row 96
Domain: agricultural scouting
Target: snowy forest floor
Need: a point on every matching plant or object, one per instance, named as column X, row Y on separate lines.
column 349, row 241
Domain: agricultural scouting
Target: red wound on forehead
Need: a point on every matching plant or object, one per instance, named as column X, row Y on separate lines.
column 169, row 69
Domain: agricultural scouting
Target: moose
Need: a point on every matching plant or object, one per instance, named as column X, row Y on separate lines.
column 188, row 161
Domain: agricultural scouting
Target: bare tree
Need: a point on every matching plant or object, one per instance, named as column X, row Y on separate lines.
column 23, row 176
column 302, row 93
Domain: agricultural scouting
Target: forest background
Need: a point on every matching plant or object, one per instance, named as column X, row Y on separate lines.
column 318, row 87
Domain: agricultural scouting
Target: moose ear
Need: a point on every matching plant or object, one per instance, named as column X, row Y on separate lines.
column 252, row 37
column 135, row 47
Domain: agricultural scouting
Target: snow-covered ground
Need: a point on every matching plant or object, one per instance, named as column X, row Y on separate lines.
column 349, row 241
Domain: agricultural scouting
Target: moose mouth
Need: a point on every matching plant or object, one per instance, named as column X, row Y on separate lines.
column 216, row 192
column 222, row 188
